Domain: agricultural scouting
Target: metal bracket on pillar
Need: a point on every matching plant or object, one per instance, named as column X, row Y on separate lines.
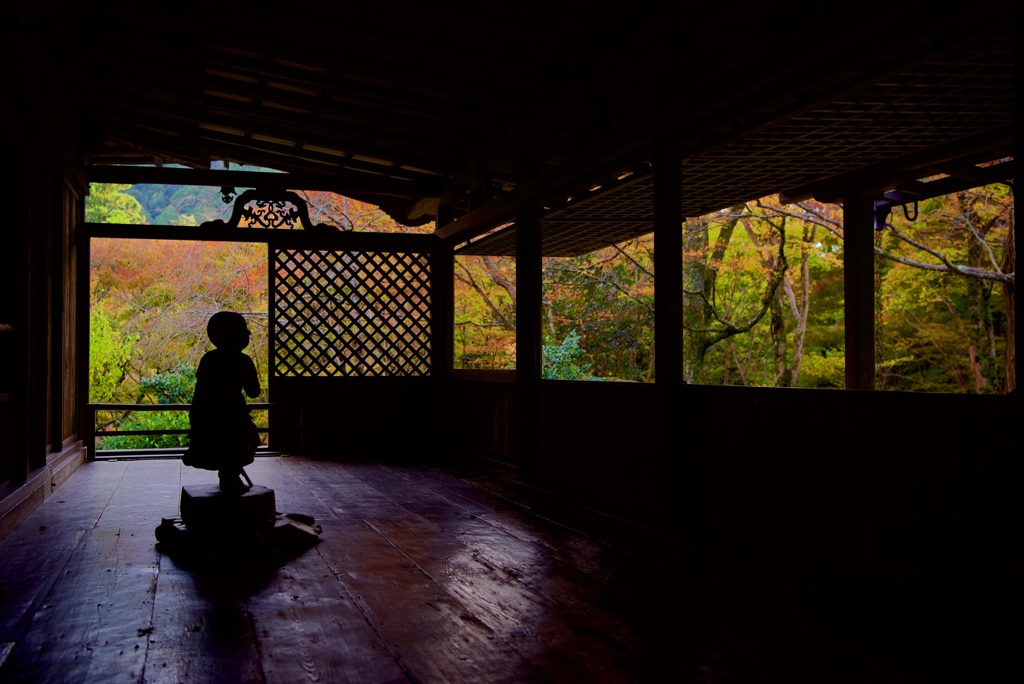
column 894, row 198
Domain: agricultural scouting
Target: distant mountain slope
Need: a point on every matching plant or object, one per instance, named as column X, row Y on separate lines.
column 184, row 204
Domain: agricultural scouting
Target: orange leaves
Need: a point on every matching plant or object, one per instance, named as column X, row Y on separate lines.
column 162, row 292
column 346, row 213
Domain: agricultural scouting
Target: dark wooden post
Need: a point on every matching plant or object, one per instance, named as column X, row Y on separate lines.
column 668, row 271
column 859, row 282
column 1016, row 311
column 292, row 436
column 442, row 328
column 86, row 418
column 442, row 286
column 679, row 483
column 36, row 321
column 55, row 331
column 529, row 287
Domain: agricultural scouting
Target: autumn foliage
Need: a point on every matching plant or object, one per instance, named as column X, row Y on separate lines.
column 763, row 299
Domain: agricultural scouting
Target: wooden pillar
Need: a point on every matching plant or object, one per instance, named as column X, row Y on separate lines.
column 77, row 374
column 679, row 483
column 86, row 419
column 668, row 271
column 859, row 282
column 285, row 429
column 1012, row 382
column 15, row 278
column 442, row 330
column 55, row 306
column 442, row 283
column 529, row 289
column 36, row 323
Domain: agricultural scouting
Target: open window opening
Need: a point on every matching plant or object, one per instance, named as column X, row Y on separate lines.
column 149, row 302
column 484, row 313
column 764, row 295
column 945, row 271
column 598, row 314
column 340, row 306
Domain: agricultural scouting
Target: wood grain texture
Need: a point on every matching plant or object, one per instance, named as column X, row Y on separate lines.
column 418, row 575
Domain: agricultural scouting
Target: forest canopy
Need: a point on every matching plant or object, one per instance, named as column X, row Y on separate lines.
column 763, row 300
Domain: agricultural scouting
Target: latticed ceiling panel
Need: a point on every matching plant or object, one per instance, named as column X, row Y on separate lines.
column 892, row 117
column 351, row 314
column 602, row 216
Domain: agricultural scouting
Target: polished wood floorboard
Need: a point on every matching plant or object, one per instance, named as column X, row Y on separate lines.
column 419, row 575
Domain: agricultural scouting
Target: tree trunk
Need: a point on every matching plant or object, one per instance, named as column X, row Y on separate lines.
column 980, row 332
column 1010, row 298
column 801, row 308
column 777, row 326
column 699, row 276
column 696, row 276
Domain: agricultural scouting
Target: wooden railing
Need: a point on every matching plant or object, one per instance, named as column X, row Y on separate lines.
column 95, row 432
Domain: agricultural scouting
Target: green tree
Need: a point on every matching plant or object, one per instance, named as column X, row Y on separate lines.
column 605, row 297
column 110, row 353
column 175, row 386
column 740, row 311
column 946, row 274
column 565, row 360
column 111, row 203
column 485, row 312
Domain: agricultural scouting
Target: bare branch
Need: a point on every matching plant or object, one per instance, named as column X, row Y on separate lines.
column 729, row 329
column 946, row 265
column 464, row 275
column 636, row 263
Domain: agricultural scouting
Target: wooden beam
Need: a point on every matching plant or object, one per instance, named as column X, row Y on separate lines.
column 961, row 177
column 284, row 239
column 361, row 184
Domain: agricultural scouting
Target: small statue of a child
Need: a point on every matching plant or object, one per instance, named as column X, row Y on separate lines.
column 222, row 435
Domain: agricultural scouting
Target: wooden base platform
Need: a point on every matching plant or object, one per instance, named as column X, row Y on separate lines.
column 206, row 507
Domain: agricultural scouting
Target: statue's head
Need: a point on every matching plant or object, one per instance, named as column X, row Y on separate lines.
column 228, row 330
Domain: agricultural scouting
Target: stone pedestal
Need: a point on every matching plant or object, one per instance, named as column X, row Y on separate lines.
column 206, row 507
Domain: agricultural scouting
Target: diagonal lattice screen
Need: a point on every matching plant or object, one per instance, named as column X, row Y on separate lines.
column 351, row 314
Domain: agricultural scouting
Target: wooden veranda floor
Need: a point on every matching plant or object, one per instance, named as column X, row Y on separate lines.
column 419, row 575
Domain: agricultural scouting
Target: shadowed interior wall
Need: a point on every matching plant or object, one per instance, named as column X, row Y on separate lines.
column 861, row 481
column 358, row 418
